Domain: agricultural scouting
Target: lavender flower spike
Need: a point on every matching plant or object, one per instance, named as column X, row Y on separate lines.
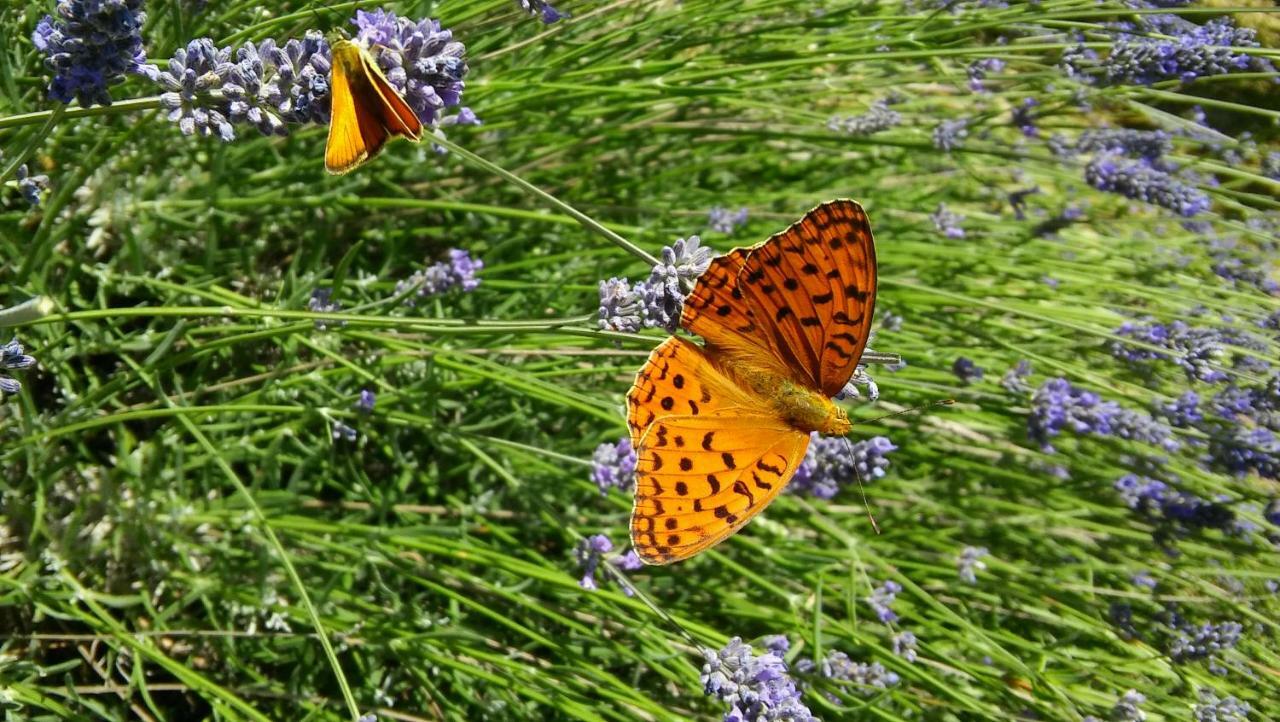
column 91, row 45
column 757, row 687
column 13, row 358
column 614, row 465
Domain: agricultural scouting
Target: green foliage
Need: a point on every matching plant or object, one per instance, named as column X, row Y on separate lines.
column 178, row 432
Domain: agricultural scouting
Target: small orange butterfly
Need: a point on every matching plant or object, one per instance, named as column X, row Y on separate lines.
column 365, row 110
column 720, row 429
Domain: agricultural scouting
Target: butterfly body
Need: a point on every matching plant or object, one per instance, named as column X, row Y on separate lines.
column 800, row 407
column 719, row 429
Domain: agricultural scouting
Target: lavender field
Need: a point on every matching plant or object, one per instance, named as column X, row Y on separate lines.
column 282, row 444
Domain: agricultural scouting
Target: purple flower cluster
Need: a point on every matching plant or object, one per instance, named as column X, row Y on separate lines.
column 868, row 678
column 30, row 186
column 904, row 645
column 658, row 301
column 321, row 301
column 1213, row 709
column 592, row 550
column 420, row 59
column 979, row 69
column 1023, row 117
column 1183, row 412
column 1148, row 144
column 268, row 85
column 545, row 10
column 949, row 133
column 878, row 117
column 1141, row 180
column 1176, row 511
column 1241, row 450
column 366, row 401
column 832, row 462
column 613, row 466
column 966, row 371
column 757, row 687
column 91, row 45
column 459, row 272
column 724, row 221
column 1193, row 51
column 1058, row 405
column 1198, row 351
column 1014, row 380
column 947, row 222
column 881, row 601
column 1191, row 642
column 1126, row 709
column 12, row 358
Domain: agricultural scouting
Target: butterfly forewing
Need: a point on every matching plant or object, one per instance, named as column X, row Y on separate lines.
column 804, row 297
column 365, row 110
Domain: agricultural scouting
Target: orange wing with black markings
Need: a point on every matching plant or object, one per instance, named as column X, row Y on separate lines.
column 364, row 110
column 693, row 495
column 805, row 295
column 716, row 433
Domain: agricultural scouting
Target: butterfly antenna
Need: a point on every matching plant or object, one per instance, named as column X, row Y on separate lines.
column 858, row 475
column 921, row 407
column 627, row 584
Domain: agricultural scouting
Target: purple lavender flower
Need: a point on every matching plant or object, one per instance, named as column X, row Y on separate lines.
column 969, row 563
column 1057, row 405
column 1197, row 350
column 1127, row 709
column 720, row 219
column 1177, row 510
column 459, row 272
column 589, row 552
column 614, row 465
column 1184, row 412
column 621, row 307
column 592, row 550
column 1144, row 580
column 420, row 60
column 1271, row 165
column 1272, row 514
column 756, row 687
column 1194, row 51
column 1014, row 380
column 881, row 599
column 540, row 7
column 860, row 377
column 91, row 46
column 681, row 264
column 1141, row 180
column 967, row 371
column 1242, row 450
column 979, row 69
column 366, row 401
column 12, row 358
column 868, row 678
column 342, row 431
column 878, row 117
column 1213, row 709
column 947, row 222
column 832, row 462
column 777, row 643
column 904, row 645
column 30, row 186
column 1198, row 642
column 1023, row 117
column 193, row 76
column 321, row 301
column 948, row 134
column 1149, row 144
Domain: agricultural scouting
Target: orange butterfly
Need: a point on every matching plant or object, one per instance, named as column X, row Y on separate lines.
column 720, row 429
column 365, row 110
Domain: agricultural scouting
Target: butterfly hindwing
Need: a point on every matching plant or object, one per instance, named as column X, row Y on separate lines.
column 733, row 464
column 678, row 379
